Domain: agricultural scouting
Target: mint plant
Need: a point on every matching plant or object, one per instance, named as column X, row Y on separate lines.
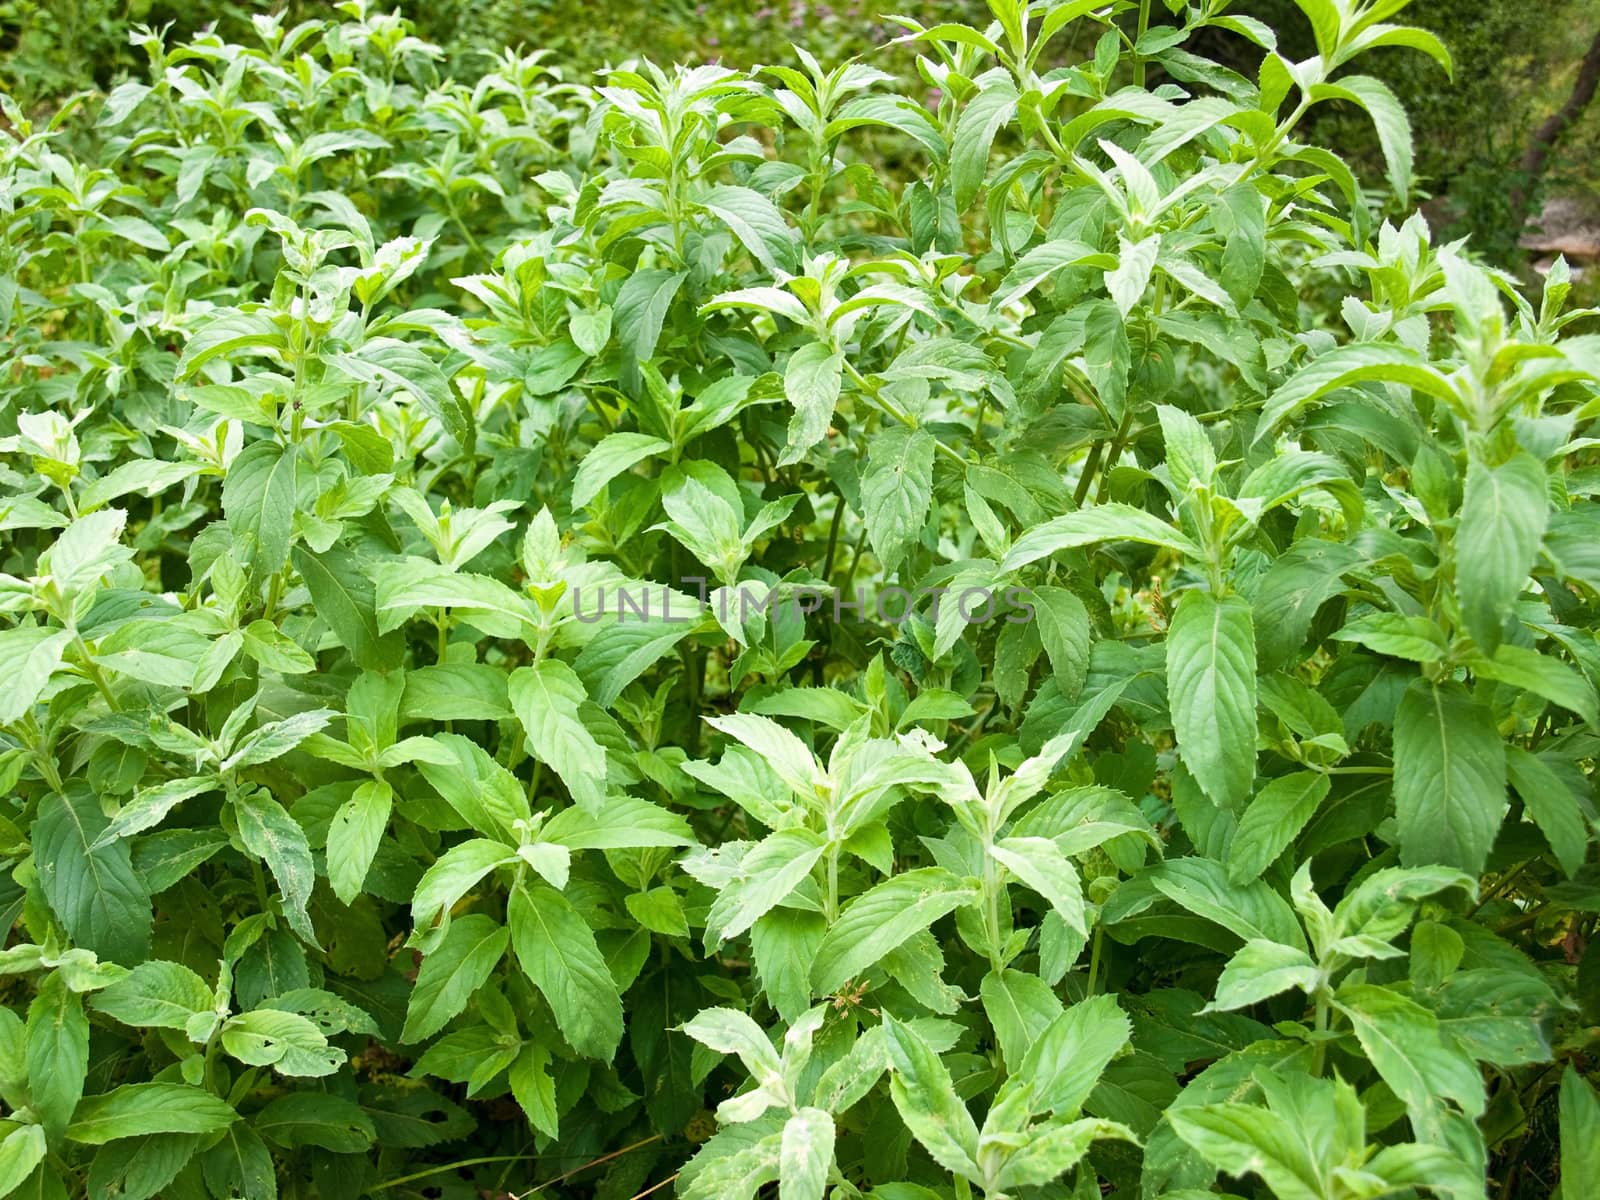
column 861, row 629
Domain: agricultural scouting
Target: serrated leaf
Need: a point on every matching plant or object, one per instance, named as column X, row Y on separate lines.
column 1211, row 686
column 1449, row 777
column 556, row 950
column 273, row 836
column 545, row 698
column 877, row 921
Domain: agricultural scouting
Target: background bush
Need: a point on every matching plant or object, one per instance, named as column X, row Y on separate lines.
column 1515, row 65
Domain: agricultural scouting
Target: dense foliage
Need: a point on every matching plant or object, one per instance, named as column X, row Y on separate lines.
column 1514, row 67
column 579, row 640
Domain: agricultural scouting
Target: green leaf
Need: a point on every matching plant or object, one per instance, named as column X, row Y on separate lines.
column 353, row 837
column 811, row 381
column 1449, row 777
column 315, row 1119
column 545, row 698
column 1274, row 819
column 806, row 1155
column 624, row 650
column 272, row 835
column 276, row 651
column 1064, row 1063
column 610, row 457
column 1544, row 676
column 342, row 596
column 58, row 1052
column 258, row 499
column 784, row 943
column 1136, row 260
column 1211, row 687
column 1503, row 514
column 556, row 950
column 1191, row 458
column 1250, row 911
column 489, row 798
column 1311, row 1128
column 1111, row 522
column 1054, row 1148
column 240, row 1165
column 757, row 222
column 640, row 310
column 877, row 921
column 729, row 1031
column 29, row 655
column 1262, row 969
column 285, row 1041
column 140, row 1168
column 893, row 112
column 223, row 334
column 781, row 750
column 623, row 822
column 1346, row 367
column 1388, row 118
column 1039, row 863
column 157, row 994
column 407, row 368
column 767, row 875
column 737, row 1162
column 925, row 1097
column 1552, row 805
column 456, row 968
column 658, row 910
column 981, row 119
column 1040, row 263
column 455, row 873
column 21, row 1151
column 92, row 889
column 1065, row 633
column 276, row 738
column 1020, row 1007
column 1424, row 1066
column 1580, row 1134
column 136, row 1109
column 535, row 1091
column 896, row 491
column 1416, row 639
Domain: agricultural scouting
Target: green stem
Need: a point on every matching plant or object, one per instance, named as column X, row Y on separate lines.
column 1118, row 444
column 46, row 764
column 991, row 915
column 1138, row 59
column 1091, row 465
column 830, row 901
column 448, row 1167
column 1094, row 959
column 883, row 404
column 1319, row 1055
column 274, row 594
column 833, row 540
column 92, row 669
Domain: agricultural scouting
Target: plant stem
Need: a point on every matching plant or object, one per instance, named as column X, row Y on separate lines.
column 1118, row 443
column 830, row 900
column 991, row 909
column 92, row 669
column 1319, row 1054
column 1138, row 59
column 1090, row 466
column 874, row 394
